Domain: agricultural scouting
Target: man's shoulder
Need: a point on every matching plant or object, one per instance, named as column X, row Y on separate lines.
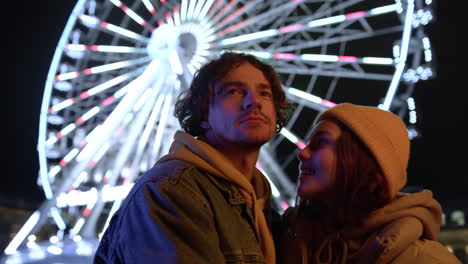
column 179, row 175
column 169, row 170
column 172, row 171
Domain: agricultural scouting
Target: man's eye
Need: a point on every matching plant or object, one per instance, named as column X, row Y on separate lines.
column 233, row 91
column 266, row 94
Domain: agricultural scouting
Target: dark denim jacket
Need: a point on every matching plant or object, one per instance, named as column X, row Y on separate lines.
column 176, row 213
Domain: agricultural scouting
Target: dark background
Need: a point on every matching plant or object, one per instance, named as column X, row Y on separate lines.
column 438, row 160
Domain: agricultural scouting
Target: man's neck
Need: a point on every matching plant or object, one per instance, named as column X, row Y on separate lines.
column 242, row 157
column 243, row 160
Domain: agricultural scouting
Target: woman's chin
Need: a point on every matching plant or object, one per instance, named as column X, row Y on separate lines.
column 304, row 193
column 312, row 192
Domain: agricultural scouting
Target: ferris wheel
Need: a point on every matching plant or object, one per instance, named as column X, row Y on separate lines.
column 119, row 66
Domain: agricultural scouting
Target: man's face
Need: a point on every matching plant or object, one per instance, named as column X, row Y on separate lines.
column 242, row 110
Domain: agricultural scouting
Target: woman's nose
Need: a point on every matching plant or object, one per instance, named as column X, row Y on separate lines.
column 304, row 154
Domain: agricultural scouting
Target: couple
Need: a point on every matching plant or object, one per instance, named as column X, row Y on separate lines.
column 205, row 202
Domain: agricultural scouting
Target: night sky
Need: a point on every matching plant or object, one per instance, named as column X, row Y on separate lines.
column 438, row 160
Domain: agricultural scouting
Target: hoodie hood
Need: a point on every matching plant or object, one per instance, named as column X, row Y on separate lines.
column 388, row 231
column 392, row 228
column 382, row 236
column 420, row 205
column 257, row 195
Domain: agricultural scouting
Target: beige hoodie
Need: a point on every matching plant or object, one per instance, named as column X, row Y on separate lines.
column 404, row 231
column 203, row 156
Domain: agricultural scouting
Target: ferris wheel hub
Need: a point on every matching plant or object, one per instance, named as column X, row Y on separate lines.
column 168, row 38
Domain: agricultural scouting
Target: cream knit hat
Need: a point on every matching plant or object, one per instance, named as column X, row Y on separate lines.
column 383, row 133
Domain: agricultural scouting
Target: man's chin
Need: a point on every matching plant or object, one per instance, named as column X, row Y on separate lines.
column 255, row 140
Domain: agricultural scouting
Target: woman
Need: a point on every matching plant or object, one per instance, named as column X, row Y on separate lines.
column 349, row 207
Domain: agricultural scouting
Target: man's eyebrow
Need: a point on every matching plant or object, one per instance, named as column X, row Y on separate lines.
column 224, row 84
column 221, row 85
column 264, row 86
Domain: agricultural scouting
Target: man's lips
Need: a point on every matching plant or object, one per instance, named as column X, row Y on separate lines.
column 253, row 118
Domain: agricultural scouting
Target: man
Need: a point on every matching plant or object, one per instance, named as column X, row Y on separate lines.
column 205, row 201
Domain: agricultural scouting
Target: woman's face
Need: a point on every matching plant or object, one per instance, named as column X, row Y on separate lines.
column 318, row 161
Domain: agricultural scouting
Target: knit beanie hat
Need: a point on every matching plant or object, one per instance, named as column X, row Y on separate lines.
column 383, row 133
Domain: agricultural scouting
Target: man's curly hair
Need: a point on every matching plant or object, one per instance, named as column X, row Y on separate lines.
column 192, row 104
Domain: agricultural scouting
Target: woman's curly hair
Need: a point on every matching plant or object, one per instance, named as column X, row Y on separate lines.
column 192, row 104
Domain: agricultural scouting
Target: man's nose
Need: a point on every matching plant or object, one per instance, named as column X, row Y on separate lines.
column 252, row 100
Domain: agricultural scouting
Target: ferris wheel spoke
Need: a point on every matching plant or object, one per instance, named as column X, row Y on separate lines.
column 93, row 22
column 161, row 127
column 334, row 73
column 205, row 9
column 131, row 172
column 268, row 15
column 198, row 60
column 102, row 68
column 115, row 206
column 235, row 14
column 310, row 24
column 338, row 39
column 291, row 137
column 104, row 48
column 339, row 70
column 168, row 18
column 125, row 153
column 325, row 9
column 224, row 11
column 78, row 224
column 90, row 113
column 183, row 10
column 177, row 20
column 309, row 100
column 145, row 135
column 82, row 168
column 105, row 193
column 190, row 9
column 129, row 12
column 135, row 89
column 274, row 190
column 275, row 175
column 322, row 58
column 149, row 6
column 91, row 215
column 87, row 115
column 198, row 6
column 215, row 8
column 334, row 66
column 94, row 90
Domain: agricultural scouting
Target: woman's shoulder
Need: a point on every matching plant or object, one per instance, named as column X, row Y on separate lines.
column 427, row 252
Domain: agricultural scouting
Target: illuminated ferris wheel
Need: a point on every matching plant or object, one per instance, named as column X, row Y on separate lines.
column 107, row 109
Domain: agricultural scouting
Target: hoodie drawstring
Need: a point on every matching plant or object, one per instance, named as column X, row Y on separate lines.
column 331, row 256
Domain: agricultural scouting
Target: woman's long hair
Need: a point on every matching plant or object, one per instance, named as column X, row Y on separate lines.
column 360, row 186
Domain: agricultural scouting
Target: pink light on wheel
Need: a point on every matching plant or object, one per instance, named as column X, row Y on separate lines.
column 355, row 15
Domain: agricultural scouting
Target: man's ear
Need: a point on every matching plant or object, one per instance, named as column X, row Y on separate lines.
column 205, row 125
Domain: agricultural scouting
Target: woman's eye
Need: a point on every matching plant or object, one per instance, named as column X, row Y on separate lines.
column 318, row 143
column 322, row 142
column 266, row 94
